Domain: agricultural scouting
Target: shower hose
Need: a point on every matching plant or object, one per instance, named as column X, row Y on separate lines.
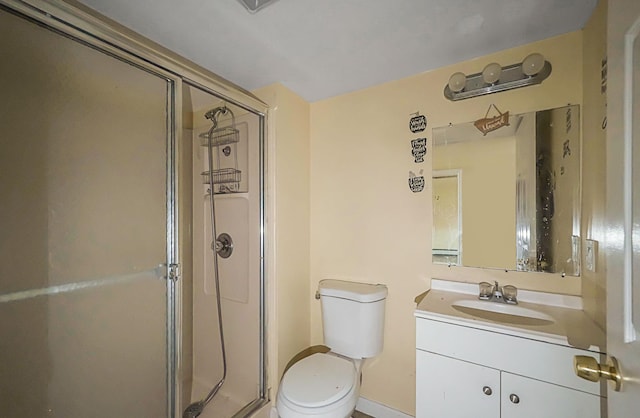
column 196, row 408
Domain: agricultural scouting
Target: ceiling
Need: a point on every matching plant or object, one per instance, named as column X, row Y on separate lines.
column 324, row 48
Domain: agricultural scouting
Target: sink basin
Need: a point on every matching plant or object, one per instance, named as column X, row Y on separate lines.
column 502, row 312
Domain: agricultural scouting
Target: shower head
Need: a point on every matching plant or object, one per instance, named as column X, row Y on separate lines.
column 213, row 113
column 193, row 410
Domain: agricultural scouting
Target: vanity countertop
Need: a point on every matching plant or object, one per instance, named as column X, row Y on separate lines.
column 571, row 326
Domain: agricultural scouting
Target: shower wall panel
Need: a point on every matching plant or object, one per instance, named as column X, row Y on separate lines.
column 232, row 216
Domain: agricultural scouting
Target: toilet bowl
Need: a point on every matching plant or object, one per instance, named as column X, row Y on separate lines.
column 327, row 385
column 323, row 385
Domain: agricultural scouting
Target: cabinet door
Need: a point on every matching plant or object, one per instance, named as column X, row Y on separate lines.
column 529, row 398
column 446, row 387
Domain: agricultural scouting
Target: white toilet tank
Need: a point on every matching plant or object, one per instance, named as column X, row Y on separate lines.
column 353, row 317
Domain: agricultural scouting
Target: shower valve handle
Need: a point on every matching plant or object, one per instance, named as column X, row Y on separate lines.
column 223, row 245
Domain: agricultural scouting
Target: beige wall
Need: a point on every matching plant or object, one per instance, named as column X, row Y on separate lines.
column 366, row 224
column 288, row 174
column 594, row 160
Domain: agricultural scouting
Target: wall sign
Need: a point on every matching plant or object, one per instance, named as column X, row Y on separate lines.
column 418, row 123
column 487, row 124
column 416, row 183
column 419, row 149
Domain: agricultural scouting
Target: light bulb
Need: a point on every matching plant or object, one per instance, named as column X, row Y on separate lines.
column 532, row 64
column 457, row 81
column 491, row 73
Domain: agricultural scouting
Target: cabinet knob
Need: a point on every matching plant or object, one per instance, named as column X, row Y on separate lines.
column 514, row 398
column 487, row 390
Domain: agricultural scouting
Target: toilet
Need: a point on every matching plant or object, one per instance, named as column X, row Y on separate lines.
column 327, row 385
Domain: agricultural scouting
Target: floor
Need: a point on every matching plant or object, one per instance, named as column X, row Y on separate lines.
column 221, row 406
column 359, row 414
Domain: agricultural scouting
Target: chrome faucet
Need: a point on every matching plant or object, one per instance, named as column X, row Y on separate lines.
column 497, row 293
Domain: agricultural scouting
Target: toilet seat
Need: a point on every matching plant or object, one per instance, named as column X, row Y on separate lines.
column 318, row 380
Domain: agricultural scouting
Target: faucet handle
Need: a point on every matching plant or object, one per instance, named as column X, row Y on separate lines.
column 486, row 290
column 510, row 294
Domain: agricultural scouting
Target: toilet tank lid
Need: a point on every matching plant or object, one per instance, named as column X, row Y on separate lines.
column 359, row 292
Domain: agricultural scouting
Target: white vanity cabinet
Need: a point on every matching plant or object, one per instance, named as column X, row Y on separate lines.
column 464, row 372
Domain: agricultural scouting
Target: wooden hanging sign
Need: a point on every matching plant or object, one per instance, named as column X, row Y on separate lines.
column 487, row 124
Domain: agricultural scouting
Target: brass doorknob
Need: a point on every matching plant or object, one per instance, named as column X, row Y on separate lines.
column 588, row 368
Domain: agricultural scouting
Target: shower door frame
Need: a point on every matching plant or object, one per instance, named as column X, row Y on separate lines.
column 83, row 25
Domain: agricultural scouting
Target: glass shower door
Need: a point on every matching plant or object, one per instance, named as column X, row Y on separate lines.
column 83, row 229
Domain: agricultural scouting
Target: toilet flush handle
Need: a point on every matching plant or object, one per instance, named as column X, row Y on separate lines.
column 317, row 295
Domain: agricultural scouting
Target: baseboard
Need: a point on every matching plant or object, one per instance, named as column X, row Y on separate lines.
column 378, row 410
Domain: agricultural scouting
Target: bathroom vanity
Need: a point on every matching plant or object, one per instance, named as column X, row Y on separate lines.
column 478, row 360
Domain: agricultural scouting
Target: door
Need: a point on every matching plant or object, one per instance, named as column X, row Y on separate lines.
column 83, row 229
column 447, row 220
column 447, row 387
column 623, row 202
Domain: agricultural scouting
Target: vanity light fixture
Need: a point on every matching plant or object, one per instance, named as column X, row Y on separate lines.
column 494, row 78
column 491, row 73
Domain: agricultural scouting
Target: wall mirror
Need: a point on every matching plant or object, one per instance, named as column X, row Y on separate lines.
column 509, row 199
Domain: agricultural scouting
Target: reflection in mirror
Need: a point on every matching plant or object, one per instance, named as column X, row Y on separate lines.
column 518, row 194
column 447, row 208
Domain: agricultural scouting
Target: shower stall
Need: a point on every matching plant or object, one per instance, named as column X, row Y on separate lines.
column 226, row 254
column 132, row 261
